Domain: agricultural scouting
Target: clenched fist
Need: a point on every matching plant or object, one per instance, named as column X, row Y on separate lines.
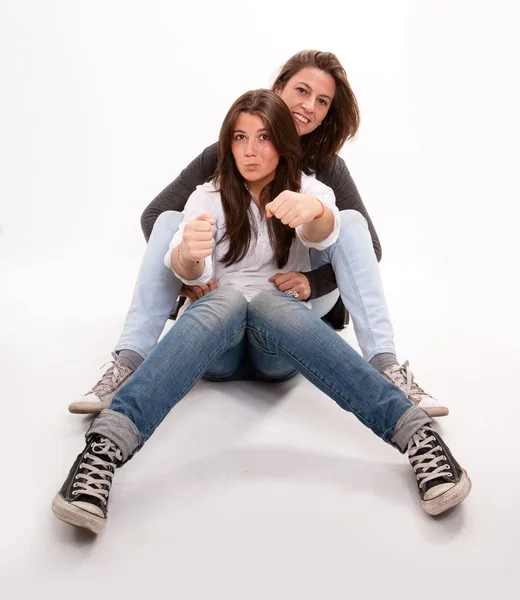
column 197, row 241
column 294, row 209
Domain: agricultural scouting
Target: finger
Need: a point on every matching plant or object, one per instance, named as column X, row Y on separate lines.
column 297, row 221
column 281, row 212
column 271, row 207
column 283, row 277
column 212, row 284
column 186, row 291
column 206, row 217
column 200, row 244
column 291, row 215
column 197, row 291
column 204, row 289
column 200, row 228
column 291, row 284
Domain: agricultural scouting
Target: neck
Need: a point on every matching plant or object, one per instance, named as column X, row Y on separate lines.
column 256, row 187
column 255, row 190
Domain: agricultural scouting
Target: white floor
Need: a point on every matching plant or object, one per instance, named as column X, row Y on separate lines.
column 248, row 491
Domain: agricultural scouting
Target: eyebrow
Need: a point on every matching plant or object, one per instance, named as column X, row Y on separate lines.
column 242, row 131
column 309, row 87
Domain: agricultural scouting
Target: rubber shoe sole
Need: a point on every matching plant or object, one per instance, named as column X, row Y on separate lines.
column 451, row 498
column 73, row 515
column 435, row 411
column 83, row 407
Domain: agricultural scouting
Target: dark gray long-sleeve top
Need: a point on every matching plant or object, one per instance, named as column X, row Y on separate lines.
column 176, row 194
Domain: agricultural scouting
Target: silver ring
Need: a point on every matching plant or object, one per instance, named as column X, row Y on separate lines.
column 292, row 293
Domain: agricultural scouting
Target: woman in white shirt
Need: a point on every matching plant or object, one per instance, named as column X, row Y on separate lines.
column 256, row 217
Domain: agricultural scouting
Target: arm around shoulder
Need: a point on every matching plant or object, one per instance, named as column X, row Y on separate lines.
column 176, row 194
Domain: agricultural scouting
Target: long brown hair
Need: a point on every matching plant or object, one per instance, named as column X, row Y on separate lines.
column 342, row 121
column 236, row 200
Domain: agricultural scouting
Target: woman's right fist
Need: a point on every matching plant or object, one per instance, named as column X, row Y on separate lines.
column 197, row 241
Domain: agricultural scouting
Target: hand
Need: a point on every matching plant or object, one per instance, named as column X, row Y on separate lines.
column 292, row 281
column 194, row 292
column 197, row 241
column 294, row 209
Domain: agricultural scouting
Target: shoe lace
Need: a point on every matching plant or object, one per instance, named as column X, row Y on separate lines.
column 97, row 478
column 425, row 454
column 112, row 377
column 403, row 378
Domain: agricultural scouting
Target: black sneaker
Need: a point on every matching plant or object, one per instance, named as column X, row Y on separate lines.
column 442, row 482
column 83, row 499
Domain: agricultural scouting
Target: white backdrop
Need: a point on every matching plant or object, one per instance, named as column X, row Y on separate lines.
column 103, row 102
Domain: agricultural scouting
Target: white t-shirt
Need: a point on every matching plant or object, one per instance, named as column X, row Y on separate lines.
column 251, row 274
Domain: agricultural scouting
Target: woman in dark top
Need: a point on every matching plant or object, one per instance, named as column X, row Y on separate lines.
column 315, row 88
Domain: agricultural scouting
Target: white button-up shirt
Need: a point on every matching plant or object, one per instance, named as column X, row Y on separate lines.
column 251, row 274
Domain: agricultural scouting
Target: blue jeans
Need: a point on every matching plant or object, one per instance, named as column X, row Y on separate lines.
column 359, row 282
column 155, row 292
column 271, row 338
column 353, row 260
column 157, row 288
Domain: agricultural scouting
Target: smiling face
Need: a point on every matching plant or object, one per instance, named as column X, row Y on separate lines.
column 255, row 156
column 308, row 94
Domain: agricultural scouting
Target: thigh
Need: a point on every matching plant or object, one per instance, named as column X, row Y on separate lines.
column 230, row 365
column 264, row 358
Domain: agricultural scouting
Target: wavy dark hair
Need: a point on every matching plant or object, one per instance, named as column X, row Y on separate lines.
column 342, row 121
column 236, row 199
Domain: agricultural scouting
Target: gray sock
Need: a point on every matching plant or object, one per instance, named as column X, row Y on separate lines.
column 384, row 361
column 129, row 358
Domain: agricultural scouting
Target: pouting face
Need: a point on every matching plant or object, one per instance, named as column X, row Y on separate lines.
column 255, row 156
column 308, row 94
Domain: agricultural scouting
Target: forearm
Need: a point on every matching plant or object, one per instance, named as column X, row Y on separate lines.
column 176, row 194
column 321, row 280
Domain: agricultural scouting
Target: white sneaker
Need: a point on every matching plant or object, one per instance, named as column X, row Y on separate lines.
column 102, row 393
column 402, row 377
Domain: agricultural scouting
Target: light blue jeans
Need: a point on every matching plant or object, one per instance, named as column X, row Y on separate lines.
column 273, row 337
column 353, row 260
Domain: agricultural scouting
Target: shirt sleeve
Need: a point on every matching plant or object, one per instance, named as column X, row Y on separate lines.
column 199, row 202
column 176, row 194
column 325, row 195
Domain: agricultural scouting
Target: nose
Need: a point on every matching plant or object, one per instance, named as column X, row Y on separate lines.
column 251, row 149
column 308, row 105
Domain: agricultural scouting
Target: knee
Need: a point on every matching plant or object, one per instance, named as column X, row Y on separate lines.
column 276, row 307
column 226, row 302
column 351, row 219
column 221, row 311
column 230, row 297
column 167, row 223
column 262, row 303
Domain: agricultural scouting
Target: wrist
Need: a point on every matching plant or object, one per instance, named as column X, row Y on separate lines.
column 186, row 262
column 322, row 212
